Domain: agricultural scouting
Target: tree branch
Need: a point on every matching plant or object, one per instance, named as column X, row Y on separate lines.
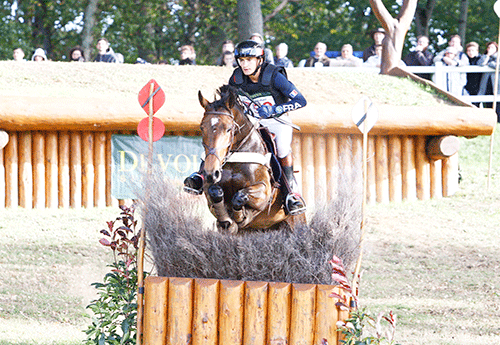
column 278, row 9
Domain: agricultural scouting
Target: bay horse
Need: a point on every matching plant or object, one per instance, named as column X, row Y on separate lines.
column 238, row 180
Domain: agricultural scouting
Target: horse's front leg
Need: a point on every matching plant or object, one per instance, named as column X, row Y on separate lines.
column 224, row 221
column 254, row 197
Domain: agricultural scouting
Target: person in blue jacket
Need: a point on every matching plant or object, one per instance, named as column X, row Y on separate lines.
column 265, row 89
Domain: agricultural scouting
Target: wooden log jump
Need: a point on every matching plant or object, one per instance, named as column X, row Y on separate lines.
column 73, row 169
column 209, row 311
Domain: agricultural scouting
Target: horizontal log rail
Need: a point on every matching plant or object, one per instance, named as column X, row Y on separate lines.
column 23, row 113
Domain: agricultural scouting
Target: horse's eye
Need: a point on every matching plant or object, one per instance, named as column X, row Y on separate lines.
column 228, row 130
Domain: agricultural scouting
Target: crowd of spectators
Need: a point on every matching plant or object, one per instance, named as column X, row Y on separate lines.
column 420, row 55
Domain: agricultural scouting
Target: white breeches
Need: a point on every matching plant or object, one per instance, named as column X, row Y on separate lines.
column 283, row 134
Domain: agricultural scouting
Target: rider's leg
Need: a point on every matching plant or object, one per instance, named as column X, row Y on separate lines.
column 293, row 201
column 193, row 184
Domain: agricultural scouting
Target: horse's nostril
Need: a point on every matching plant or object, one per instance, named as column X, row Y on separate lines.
column 217, row 175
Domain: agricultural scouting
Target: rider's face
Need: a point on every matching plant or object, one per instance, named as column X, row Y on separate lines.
column 248, row 64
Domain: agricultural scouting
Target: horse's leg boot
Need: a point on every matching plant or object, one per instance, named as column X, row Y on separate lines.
column 239, row 200
column 193, row 184
column 219, row 210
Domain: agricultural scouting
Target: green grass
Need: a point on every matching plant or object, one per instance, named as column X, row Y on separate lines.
column 434, row 263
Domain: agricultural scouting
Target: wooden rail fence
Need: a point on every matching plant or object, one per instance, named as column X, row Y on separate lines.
column 73, row 168
column 210, row 312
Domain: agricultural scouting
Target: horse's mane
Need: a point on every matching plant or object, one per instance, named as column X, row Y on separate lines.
column 227, row 96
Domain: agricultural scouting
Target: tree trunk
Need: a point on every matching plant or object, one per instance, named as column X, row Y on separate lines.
column 249, row 18
column 422, row 17
column 395, row 29
column 88, row 26
column 462, row 20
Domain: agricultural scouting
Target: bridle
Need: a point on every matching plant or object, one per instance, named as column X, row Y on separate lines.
column 235, row 126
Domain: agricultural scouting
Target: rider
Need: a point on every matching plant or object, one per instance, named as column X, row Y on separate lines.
column 270, row 95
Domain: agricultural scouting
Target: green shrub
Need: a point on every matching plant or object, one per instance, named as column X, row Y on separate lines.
column 115, row 311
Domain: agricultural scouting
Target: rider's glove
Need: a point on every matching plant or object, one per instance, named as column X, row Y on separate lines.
column 268, row 111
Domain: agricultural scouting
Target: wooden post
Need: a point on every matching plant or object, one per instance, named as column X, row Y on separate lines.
column 442, row 146
column 326, row 311
column 297, row 159
column 75, row 172
column 51, row 171
column 371, row 167
column 278, row 313
column 110, row 201
column 205, row 312
column 450, row 175
column 345, row 154
column 308, row 168
column 11, row 162
column 436, row 179
column 100, row 169
column 332, row 165
column 409, row 168
column 320, row 169
column 423, row 169
column 180, row 311
column 255, row 317
column 395, row 174
column 25, row 171
column 64, row 169
column 38, row 170
column 231, row 312
column 87, row 169
column 382, row 168
column 2, row 179
column 302, row 315
column 155, row 330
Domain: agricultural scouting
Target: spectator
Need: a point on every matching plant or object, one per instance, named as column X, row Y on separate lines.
column 39, row 55
column 188, row 55
column 460, row 58
column 377, row 37
column 268, row 53
column 105, row 53
column 346, row 58
column 473, row 79
column 455, row 81
column 76, row 54
column 228, row 59
column 281, row 56
column 18, row 54
column 486, row 86
column 227, row 46
column 420, row 56
column 319, row 59
column 374, row 60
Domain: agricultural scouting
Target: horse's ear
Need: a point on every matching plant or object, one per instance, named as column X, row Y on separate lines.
column 203, row 101
column 231, row 100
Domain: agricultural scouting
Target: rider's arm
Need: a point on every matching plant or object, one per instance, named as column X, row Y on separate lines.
column 287, row 88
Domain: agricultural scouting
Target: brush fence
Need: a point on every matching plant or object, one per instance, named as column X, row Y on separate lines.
column 53, row 169
column 209, row 311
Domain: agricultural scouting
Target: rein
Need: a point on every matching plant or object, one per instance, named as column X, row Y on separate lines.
column 212, row 150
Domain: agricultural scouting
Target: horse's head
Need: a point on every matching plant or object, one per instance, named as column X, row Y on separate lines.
column 218, row 128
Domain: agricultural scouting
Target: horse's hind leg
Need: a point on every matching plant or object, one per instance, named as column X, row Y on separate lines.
column 224, row 222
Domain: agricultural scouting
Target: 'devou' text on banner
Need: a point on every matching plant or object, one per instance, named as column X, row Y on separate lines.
column 175, row 157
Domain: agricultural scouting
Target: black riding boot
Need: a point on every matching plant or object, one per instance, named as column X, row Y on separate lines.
column 193, row 184
column 294, row 204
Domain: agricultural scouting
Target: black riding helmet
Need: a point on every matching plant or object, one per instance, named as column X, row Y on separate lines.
column 249, row 49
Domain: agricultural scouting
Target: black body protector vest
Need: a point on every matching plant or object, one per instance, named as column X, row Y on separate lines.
column 261, row 92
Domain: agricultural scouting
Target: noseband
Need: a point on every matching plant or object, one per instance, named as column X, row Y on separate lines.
column 212, row 150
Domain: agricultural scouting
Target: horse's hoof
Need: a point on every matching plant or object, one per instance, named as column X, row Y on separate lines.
column 216, row 193
column 228, row 227
column 240, row 199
